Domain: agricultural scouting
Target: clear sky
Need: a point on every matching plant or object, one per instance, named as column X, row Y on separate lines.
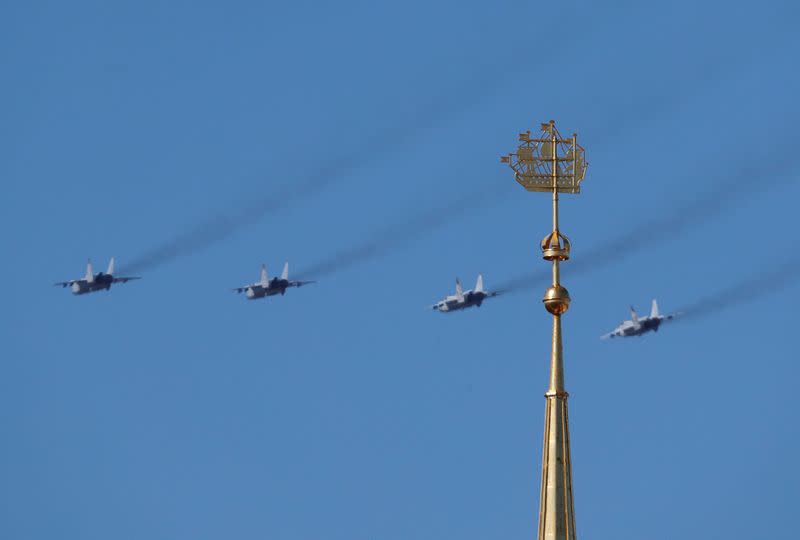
column 171, row 407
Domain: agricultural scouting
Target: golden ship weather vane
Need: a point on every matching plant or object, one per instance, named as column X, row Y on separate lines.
column 553, row 164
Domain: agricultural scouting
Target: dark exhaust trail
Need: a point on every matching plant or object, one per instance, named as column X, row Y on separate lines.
column 769, row 281
column 478, row 87
column 770, row 173
column 481, row 85
column 396, row 235
column 223, row 225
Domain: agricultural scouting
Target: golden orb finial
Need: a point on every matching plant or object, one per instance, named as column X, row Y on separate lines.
column 556, row 300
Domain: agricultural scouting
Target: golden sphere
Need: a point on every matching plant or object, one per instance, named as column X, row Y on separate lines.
column 556, row 300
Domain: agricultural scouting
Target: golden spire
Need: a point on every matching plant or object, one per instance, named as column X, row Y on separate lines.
column 553, row 164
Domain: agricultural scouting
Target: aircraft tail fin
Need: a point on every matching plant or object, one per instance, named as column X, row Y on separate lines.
column 634, row 316
column 110, row 270
column 479, row 283
column 264, row 276
column 89, row 272
column 285, row 273
column 459, row 291
column 654, row 309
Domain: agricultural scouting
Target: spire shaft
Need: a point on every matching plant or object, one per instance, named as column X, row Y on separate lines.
column 556, row 361
column 550, row 163
column 556, row 512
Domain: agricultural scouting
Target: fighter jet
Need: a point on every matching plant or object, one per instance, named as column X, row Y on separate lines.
column 464, row 299
column 270, row 287
column 638, row 326
column 92, row 282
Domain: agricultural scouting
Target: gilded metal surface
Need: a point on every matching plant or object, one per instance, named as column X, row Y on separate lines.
column 555, row 246
column 556, row 300
column 539, row 160
column 556, row 165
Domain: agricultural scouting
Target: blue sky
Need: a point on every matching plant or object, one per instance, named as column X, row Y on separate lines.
column 172, row 408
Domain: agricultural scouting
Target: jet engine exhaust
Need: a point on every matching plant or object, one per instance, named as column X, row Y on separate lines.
column 473, row 89
column 746, row 290
column 399, row 234
column 427, row 116
column 722, row 198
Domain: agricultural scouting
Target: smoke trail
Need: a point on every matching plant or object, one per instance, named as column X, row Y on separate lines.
column 398, row 234
column 746, row 290
column 703, row 208
column 401, row 233
column 223, row 225
column 479, row 85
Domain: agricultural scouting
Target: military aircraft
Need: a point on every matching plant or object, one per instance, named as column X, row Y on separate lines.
column 270, row 287
column 92, row 282
column 638, row 326
column 464, row 299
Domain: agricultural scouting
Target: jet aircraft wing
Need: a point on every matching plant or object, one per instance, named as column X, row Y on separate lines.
column 66, row 283
column 615, row 332
column 122, row 279
column 300, row 283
